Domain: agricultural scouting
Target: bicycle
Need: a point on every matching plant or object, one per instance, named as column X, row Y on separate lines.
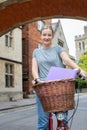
column 45, row 95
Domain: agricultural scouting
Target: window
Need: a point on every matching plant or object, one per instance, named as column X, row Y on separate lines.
column 83, row 45
column 79, row 46
column 9, row 76
column 40, row 25
column 8, row 39
column 60, row 42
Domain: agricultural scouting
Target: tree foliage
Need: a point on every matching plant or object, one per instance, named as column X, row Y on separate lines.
column 83, row 64
column 83, row 61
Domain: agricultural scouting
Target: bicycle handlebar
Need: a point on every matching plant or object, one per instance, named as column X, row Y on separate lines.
column 78, row 74
column 36, row 81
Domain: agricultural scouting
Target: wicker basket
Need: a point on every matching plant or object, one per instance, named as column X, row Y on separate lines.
column 57, row 95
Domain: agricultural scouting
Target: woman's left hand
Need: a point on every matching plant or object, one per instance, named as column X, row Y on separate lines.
column 83, row 74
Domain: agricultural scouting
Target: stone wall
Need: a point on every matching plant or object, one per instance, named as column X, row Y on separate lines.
column 24, row 11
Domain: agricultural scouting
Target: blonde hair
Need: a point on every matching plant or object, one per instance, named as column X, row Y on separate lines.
column 46, row 26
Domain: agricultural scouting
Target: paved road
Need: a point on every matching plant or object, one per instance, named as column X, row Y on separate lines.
column 26, row 118
column 80, row 118
column 19, row 119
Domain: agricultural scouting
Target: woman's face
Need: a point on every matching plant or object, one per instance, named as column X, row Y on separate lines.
column 46, row 36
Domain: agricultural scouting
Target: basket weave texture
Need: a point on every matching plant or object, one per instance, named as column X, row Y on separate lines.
column 56, row 95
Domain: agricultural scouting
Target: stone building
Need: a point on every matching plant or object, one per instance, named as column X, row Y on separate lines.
column 11, row 65
column 81, row 44
column 59, row 37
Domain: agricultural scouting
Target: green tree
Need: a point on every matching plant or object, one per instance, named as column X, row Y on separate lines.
column 83, row 64
column 83, row 61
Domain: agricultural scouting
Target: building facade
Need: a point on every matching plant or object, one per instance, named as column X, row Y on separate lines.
column 59, row 37
column 81, row 44
column 11, row 65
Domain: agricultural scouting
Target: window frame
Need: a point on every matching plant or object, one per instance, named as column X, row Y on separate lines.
column 9, row 75
column 9, row 39
column 60, row 42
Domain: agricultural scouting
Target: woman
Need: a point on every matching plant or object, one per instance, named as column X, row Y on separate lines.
column 43, row 59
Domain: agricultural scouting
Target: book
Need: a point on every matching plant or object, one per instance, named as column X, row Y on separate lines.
column 57, row 73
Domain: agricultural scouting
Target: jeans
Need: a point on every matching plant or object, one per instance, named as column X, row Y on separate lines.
column 43, row 117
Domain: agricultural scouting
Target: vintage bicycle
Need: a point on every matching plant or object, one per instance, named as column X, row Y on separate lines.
column 57, row 96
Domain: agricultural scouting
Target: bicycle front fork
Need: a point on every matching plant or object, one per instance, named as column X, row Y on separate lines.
column 61, row 123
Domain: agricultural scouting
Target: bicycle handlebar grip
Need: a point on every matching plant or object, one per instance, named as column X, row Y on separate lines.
column 78, row 73
column 81, row 77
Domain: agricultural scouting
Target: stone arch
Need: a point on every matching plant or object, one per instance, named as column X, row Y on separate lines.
column 18, row 12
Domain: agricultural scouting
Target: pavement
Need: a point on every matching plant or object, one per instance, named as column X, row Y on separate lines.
column 16, row 104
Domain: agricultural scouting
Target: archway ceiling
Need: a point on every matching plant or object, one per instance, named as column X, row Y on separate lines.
column 14, row 13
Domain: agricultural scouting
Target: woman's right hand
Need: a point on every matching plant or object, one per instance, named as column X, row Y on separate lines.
column 36, row 81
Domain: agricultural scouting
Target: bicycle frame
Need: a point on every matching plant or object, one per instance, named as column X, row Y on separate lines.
column 60, row 117
column 60, row 122
column 50, row 122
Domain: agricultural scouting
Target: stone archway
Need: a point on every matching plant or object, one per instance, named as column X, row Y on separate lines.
column 18, row 12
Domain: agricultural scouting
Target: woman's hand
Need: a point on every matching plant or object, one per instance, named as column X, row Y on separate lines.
column 36, row 81
column 83, row 73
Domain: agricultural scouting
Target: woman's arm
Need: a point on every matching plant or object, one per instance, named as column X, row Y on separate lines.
column 35, row 69
column 71, row 64
column 68, row 61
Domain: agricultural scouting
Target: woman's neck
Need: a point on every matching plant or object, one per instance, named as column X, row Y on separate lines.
column 47, row 46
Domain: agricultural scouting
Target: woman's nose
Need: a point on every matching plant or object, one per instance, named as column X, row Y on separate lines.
column 47, row 37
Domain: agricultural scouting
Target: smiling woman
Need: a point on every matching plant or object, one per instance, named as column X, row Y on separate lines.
column 18, row 12
column 42, row 60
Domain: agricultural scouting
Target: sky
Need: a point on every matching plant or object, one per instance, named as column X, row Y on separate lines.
column 71, row 28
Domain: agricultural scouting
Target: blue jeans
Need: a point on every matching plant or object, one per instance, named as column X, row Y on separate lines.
column 43, row 117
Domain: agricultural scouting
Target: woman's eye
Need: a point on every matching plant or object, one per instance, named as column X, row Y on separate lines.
column 49, row 34
column 44, row 34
